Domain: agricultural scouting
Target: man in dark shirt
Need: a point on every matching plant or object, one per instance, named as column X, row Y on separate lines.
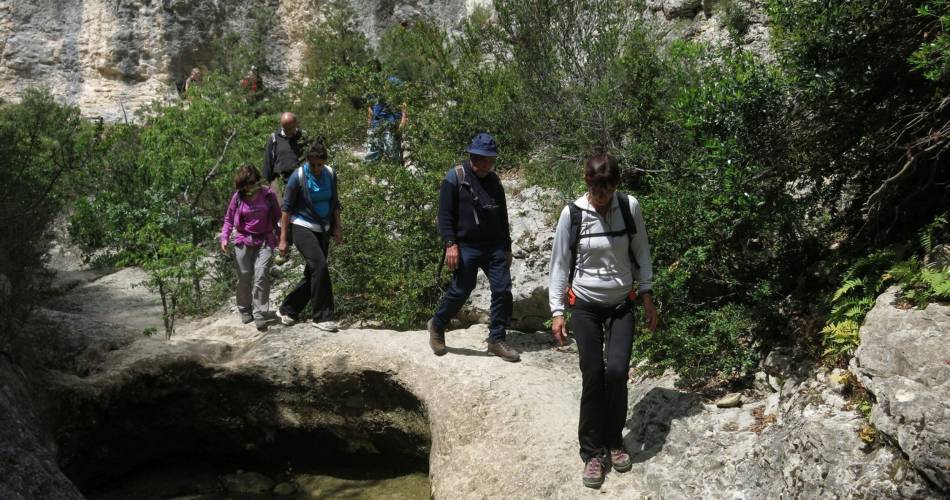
column 473, row 221
column 283, row 149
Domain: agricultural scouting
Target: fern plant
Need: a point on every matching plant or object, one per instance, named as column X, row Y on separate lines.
column 924, row 284
column 866, row 279
column 931, row 232
column 921, row 285
column 850, row 303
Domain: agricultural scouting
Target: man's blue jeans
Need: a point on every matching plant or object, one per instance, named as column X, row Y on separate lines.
column 494, row 263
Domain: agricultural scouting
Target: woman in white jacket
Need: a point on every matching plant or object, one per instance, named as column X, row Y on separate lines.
column 599, row 266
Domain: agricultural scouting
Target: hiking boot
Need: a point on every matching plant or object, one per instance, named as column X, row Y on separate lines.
column 503, row 351
column 436, row 338
column 620, row 460
column 594, row 473
column 246, row 318
column 261, row 324
column 327, row 326
column 285, row 319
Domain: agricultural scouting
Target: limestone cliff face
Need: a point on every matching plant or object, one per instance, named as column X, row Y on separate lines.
column 113, row 56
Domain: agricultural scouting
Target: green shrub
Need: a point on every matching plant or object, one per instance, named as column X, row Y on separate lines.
column 385, row 272
column 711, row 341
column 45, row 152
column 736, row 18
column 867, row 117
column 163, row 188
column 861, row 284
column 924, row 284
column 933, row 56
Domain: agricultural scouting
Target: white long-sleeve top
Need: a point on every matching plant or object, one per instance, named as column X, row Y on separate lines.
column 604, row 272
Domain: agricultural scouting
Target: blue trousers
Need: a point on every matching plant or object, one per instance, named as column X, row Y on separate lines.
column 494, row 263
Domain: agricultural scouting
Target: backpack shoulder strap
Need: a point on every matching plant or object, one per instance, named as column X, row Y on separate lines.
column 273, row 149
column 629, row 224
column 576, row 216
column 302, row 185
column 460, row 175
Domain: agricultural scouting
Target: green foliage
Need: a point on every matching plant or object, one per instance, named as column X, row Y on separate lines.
column 45, row 152
column 870, row 275
column 162, row 188
column 386, row 270
column 933, row 56
column 415, row 53
column 861, row 284
column 710, row 341
column 337, row 76
column 735, row 17
column 840, row 339
column 925, row 284
column 337, row 41
column 931, row 233
column 235, row 53
column 849, row 65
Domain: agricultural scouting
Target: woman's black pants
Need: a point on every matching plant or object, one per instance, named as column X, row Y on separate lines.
column 314, row 287
column 599, row 328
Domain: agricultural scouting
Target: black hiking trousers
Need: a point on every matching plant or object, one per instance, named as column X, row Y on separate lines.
column 315, row 286
column 599, row 328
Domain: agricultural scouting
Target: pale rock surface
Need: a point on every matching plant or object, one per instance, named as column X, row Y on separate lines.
column 680, row 8
column 904, row 360
column 704, row 21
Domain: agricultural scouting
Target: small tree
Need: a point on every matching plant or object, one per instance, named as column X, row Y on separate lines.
column 180, row 164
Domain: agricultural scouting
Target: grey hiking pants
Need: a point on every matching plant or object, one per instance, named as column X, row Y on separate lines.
column 253, row 288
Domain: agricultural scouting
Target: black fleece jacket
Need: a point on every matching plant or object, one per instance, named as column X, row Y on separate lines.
column 282, row 154
column 475, row 214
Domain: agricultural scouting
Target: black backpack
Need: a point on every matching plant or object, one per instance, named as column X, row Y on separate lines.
column 630, row 227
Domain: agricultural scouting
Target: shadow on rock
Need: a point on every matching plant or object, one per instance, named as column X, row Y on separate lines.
column 531, row 341
column 651, row 418
column 463, row 351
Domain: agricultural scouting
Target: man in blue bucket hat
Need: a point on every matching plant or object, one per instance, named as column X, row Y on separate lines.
column 473, row 221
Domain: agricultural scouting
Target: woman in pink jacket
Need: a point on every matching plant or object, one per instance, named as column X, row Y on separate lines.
column 252, row 216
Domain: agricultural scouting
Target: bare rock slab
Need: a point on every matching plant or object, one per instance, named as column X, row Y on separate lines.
column 904, row 360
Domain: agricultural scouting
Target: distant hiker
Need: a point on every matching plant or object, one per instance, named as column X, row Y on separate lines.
column 473, row 221
column 311, row 212
column 384, row 126
column 600, row 250
column 252, row 84
column 283, row 149
column 252, row 216
column 193, row 79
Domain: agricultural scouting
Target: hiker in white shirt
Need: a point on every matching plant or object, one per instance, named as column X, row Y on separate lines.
column 600, row 264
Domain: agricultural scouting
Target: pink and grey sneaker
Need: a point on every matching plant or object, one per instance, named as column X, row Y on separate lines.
column 594, row 473
column 620, row 460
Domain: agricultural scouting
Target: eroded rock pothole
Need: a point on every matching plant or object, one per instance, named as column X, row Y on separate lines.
column 193, row 431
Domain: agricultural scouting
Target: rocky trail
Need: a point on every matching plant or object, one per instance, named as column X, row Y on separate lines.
column 106, row 398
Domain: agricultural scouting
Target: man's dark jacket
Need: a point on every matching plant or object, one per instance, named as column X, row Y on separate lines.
column 481, row 224
column 282, row 154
